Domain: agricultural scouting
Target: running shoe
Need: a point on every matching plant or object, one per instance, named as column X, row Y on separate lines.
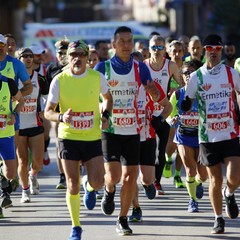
column 46, row 159
column 34, row 185
column 219, row 225
column 89, row 198
column 159, row 189
column 6, row 200
column 150, row 191
column 136, row 215
column 192, row 206
column 122, row 227
column 26, row 196
column 1, row 213
column 199, row 191
column 178, row 182
column 76, row 234
column 108, row 204
column 231, row 208
column 62, row 182
column 167, row 171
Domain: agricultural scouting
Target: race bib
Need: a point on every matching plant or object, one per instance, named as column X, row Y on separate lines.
column 218, row 122
column 189, row 120
column 30, row 106
column 3, row 121
column 124, row 117
column 82, row 120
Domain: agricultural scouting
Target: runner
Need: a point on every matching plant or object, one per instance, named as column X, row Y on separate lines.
column 213, row 85
column 77, row 91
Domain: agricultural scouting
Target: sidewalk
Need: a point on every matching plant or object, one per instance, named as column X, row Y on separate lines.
column 166, row 217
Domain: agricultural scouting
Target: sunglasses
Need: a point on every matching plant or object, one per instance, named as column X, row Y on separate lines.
column 187, row 73
column 160, row 48
column 78, row 54
column 2, row 44
column 215, row 48
column 62, row 53
column 27, row 55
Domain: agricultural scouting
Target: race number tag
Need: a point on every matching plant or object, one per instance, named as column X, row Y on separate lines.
column 218, row 122
column 190, row 119
column 82, row 120
column 124, row 117
column 30, row 105
column 3, row 121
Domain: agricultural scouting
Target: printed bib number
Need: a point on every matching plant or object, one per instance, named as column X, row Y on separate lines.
column 124, row 117
column 30, row 105
column 218, row 126
column 217, row 122
column 82, row 120
column 190, row 119
column 3, row 121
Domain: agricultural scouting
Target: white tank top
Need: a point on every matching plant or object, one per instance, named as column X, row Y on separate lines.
column 28, row 116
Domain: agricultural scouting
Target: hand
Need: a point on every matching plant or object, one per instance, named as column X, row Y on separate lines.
column 12, row 120
column 67, row 116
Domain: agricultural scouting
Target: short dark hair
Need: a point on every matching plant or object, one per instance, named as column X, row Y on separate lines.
column 97, row 44
column 122, row 29
column 9, row 35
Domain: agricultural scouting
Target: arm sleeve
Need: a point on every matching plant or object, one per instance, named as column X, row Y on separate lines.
column 20, row 71
column 144, row 73
column 100, row 67
column 12, row 87
column 191, row 88
column 104, row 85
column 53, row 95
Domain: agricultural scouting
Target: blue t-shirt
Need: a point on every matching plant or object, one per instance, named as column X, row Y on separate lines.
column 123, row 68
column 19, row 69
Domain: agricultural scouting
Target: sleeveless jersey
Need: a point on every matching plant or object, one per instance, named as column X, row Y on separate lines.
column 5, row 110
column 215, row 95
column 162, row 77
column 124, row 90
column 81, row 94
column 29, row 115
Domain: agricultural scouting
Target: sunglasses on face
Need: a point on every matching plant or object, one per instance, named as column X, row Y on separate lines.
column 2, row 44
column 62, row 53
column 187, row 73
column 27, row 55
column 160, row 48
column 78, row 54
column 213, row 48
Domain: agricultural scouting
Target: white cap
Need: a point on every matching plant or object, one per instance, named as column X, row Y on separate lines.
column 2, row 39
column 36, row 49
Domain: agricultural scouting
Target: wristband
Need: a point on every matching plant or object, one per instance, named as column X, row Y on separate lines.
column 60, row 117
column 106, row 114
column 15, row 113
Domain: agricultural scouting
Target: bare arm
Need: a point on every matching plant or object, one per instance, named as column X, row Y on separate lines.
column 50, row 113
column 167, row 108
column 152, row 90
column 27, row 88
column 20, row 103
